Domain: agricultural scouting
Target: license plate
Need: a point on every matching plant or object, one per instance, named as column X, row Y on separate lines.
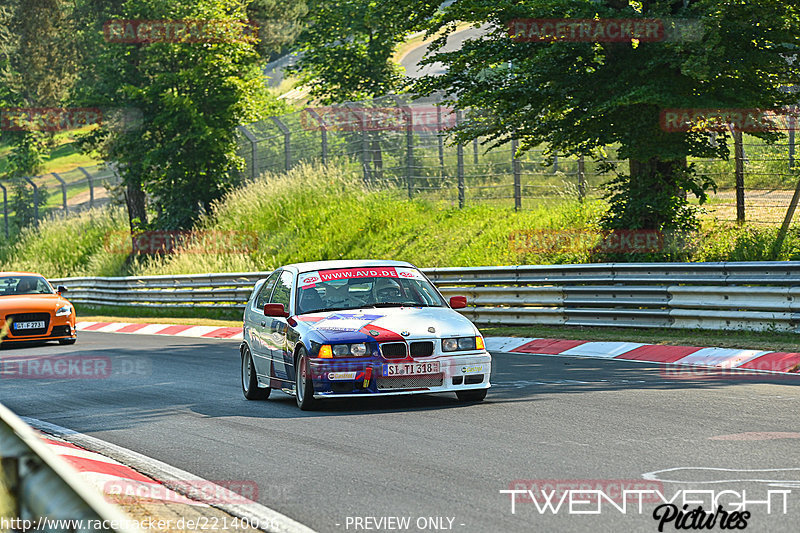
column 29, row 325
column 411, row 369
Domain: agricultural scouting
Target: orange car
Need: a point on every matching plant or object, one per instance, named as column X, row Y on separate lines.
column 30, row 310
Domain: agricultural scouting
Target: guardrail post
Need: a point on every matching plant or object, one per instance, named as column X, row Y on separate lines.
column 91, row 185
column 460, row 166
column 323, row 128
column 254, row 148
column 5, row 207
column 287, row 141
column 738, row 149
column 63, row 190
column 35, row 200
column 581, row 179
column 515, row 164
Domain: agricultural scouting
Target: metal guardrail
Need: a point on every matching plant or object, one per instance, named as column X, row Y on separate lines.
column 44, row 490
column 741, row 295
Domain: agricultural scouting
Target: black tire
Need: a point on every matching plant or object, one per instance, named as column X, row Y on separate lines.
column 303, row 386
column 249, row 380
column 66, row 341
column 472, row 395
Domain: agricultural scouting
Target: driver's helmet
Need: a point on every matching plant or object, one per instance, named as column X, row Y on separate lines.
column 387, row 283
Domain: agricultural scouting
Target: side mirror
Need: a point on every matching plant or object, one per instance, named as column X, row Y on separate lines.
column 61, row 289
column 458, row 302
column 275, row 310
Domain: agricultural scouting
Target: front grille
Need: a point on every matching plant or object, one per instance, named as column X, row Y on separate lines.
column 29, row 317
column 394, row 350
column 421, row 349
column 409, row 382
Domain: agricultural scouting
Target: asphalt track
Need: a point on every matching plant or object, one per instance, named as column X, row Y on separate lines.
column 546, row 418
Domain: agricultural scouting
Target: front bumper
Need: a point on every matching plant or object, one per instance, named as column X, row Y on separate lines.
column 59, row 327
column 342, row 378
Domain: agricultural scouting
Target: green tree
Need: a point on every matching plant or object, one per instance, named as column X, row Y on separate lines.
column 180, row 155
column 21, row 202
column 346, row 49
column 578, row 97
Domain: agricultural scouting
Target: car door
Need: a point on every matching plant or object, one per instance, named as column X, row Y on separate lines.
column 258, row 324
column 278, row 327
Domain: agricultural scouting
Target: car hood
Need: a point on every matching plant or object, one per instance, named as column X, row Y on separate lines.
column 31, row 303
column 386, row 324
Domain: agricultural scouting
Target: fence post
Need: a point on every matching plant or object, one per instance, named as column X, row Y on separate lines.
column 409, row 148
column 254, row 148
column 440, row 138
column 5, row 207
column 35, row 200
column 555, row 163
column 475, row 151
column 739, row 162
column 515, row 165
column 460, row 166
column 791, row 146
column 323, row 128
column 287, row 141
column 581, row 178
column 91, row 185
column 787, row 220
column 63, row 190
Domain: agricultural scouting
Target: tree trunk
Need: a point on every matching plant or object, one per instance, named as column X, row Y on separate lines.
column 652, row 182
column 135, row 200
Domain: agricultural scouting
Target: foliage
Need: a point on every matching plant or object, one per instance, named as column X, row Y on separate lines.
column 580, row 96
column 347, row 47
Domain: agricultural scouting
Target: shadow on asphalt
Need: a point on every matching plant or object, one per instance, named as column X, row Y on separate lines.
column 203, row 378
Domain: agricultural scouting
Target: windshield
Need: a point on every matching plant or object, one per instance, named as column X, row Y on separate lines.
column 16, row 285
column 354, row 288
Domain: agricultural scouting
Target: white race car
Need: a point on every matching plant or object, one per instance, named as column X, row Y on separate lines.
column 358, row 328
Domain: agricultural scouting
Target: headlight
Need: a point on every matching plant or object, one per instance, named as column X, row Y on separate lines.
column 462, row 344
column 64, row 311
column 348, row 350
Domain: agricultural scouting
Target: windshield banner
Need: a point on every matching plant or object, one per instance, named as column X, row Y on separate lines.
column 309, row 279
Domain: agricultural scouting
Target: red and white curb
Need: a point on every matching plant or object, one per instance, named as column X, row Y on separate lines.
column 112, row 478
column 725, row 358
column 205, row 332
column 108, row 466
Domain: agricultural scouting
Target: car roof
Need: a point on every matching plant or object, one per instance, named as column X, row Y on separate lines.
column 20, row 274
column 327, row 265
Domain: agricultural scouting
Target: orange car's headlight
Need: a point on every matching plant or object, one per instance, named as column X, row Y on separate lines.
column 65, row 310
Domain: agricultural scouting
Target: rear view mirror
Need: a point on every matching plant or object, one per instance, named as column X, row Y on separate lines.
column 275, row 310
column 61, row 289
column 458, row 302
